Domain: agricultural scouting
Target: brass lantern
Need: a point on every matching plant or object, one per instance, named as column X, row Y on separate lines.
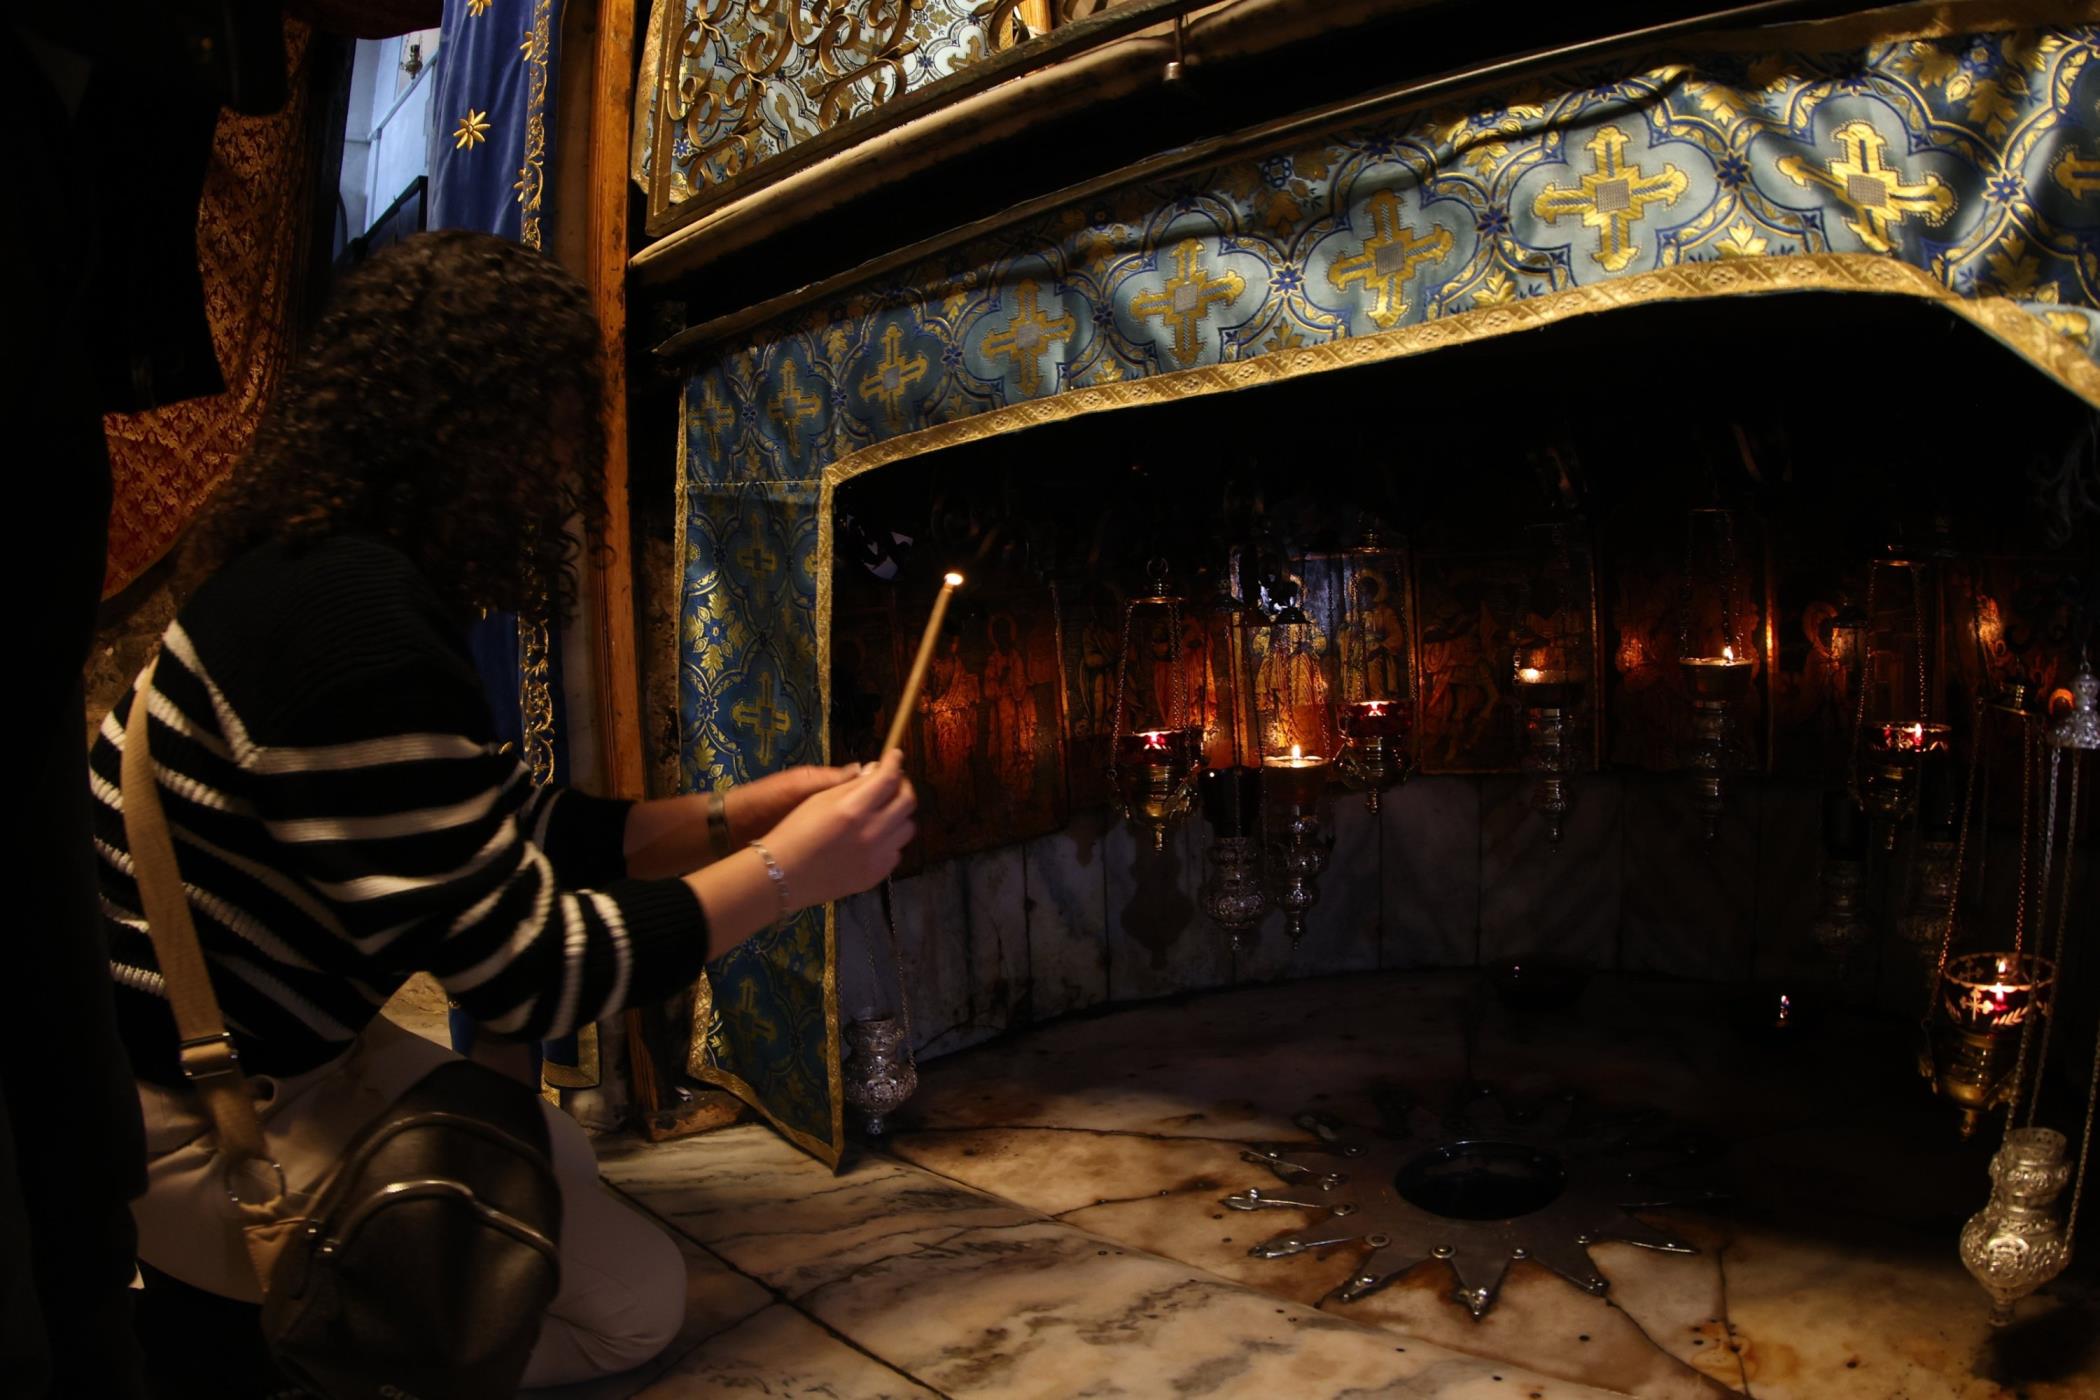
column 1551, row 664
column 1233, row 892
column 1158, row 735
column 1716, row 654
column 1293, row 691
column 1898, row 728
column 1374, row 645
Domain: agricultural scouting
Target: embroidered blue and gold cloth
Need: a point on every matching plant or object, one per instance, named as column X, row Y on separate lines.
column 1958, row 169
column 492, row 109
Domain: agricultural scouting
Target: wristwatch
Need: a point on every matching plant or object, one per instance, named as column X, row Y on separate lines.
column 718, row 825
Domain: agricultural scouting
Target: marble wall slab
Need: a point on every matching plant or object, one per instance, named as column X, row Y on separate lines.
column 1789, row 877
column 933, row 950
column 1065, row 898
column 996, row 945
column 1689, row 902
column 1430, row 871
column 1158, row 944
column 1343, row 931
column 867, row 978
column 1455, row 871
column 1538, row 899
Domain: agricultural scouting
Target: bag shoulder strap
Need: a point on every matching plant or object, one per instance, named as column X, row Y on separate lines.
column 206, row 1052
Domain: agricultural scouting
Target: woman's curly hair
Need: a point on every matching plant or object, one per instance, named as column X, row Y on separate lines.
column 446, row 403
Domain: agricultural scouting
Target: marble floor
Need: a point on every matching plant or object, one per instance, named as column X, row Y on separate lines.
column 1048, row 1220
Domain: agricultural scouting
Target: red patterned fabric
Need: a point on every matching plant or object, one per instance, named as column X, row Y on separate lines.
column 252, row 228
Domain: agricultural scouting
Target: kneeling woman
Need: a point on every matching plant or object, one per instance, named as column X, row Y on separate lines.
column 342, row 814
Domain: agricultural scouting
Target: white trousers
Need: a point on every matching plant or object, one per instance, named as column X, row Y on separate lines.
column 622, row 1292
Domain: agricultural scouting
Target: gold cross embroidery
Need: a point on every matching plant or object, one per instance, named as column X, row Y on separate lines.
column 1388, row 258
column 1612, row 198
column 763, row 718
column 1186, row 301
column 792, row 408
column 716, row 417
column 1874, row 192
column 2076, row 173
column 1023, row 340
column 755, row 557
column 893, row 376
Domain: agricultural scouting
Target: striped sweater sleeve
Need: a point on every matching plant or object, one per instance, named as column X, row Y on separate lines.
column 418, row 844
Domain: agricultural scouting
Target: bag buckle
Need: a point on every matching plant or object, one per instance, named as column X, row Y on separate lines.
column 208, row 1057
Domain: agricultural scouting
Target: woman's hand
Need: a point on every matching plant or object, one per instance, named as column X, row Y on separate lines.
column 756, row 807
column 838, row 842
column 848, row 837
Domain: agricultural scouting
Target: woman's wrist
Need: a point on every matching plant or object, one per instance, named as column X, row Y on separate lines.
column 739, row 897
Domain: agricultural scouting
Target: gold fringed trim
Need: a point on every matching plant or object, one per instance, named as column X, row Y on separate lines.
column 700, row 1067
column 1934, row 19
column 2003, row 320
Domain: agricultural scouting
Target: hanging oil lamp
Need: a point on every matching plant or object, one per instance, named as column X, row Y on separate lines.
column 1292, row 693
column 1715, row 661
column 1158, row 743
column 1982, row 1004
column 1233, row 892
column 1549, row 667
column 1373, row 639
column 1897, row 730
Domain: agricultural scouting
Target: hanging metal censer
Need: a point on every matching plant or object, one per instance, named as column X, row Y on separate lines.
column 1291, row 709
column 1717, row 664
column 1897, row 729
column 1233, row 892
column 2015, row 1244
column 1550, row 667
column 880, row 1071
column 1157, row 742
column 1373, row 637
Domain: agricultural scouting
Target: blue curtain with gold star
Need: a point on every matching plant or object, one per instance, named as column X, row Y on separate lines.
column 493, row 101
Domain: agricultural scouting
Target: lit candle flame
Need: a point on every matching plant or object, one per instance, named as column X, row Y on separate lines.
column 1728, row 653
column 952, row 579
column 1298, row 755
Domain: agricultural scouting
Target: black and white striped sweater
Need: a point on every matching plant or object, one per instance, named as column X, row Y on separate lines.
column 343, row 817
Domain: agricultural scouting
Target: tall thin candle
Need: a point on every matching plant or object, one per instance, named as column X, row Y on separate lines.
column 910, row 699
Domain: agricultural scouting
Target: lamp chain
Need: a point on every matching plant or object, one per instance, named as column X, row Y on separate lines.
column 2063, row 911
column 2085, row 1147
column 1961, row 849
column 1866, row 679
column 1115, row 729
column 2027, row 773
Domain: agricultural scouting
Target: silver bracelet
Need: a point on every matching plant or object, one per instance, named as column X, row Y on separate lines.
column 777, row 876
